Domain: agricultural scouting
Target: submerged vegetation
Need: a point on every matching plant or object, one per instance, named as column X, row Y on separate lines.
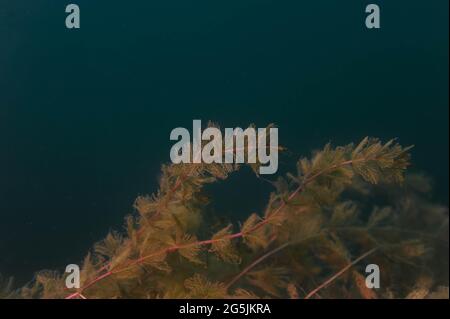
column 319, row 230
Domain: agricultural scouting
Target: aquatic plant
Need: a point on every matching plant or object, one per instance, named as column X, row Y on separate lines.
column 318, row 227
column 6, row 288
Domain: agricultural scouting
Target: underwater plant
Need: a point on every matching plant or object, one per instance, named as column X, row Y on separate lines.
column 318, row 226
column 6, row 288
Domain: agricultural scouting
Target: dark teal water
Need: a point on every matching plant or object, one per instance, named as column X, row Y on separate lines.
column 85, row 115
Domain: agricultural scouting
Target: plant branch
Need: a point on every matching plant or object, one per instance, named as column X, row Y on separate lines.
column 339, row 273
column 174, row 248
column 256, row 262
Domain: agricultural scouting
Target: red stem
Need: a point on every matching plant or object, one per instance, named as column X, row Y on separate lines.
column 209, row 241
column 339, row 273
